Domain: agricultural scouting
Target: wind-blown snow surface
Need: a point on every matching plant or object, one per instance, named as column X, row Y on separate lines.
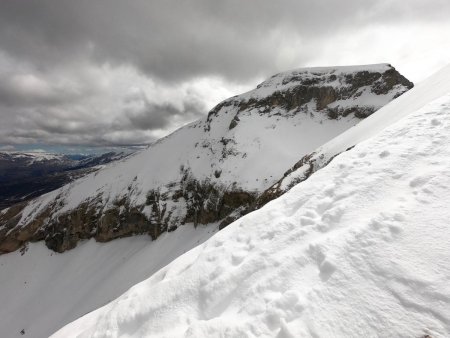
column 42, row 291
column 359, row 249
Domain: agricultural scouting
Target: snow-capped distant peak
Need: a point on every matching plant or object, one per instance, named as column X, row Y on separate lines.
column 33, row 157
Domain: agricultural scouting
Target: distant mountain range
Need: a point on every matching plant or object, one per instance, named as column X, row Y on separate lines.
column 26, row 175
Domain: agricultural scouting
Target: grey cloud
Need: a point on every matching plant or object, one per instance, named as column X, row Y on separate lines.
column 7, row 148
column 28, row 90
column 145, row 115
column 134, row 120
column 176, row 40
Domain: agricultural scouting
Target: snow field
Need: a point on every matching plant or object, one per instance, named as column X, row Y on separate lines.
column 44, row 290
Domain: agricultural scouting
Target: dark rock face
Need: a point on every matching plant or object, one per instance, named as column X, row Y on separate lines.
column 188, row 199
column 205, row 203
column 308, row 163
column 322, row 90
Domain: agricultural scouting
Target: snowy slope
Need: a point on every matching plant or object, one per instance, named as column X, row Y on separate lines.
column 273, row 134
column 359, row 249
column 41, row 291
column 172, row 182
column 426, row 91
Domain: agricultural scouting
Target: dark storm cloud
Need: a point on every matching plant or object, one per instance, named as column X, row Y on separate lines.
column 28, row 90
column 143, row 114
column 159, row 115
column 121, row 72
column 179, row 39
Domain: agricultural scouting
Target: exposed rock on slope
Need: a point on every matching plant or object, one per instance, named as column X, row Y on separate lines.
column 212, row 168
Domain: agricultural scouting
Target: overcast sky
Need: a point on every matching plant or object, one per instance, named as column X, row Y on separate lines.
column 120, row 72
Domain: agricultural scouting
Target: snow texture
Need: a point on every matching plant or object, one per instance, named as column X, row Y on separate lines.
column 360, row 249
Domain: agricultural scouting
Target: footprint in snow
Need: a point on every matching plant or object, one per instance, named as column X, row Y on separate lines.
column 238, row 257
column 389, row 226
column 435, row 122
column 325, row 264
column 304, row 221
column 326, row 268
column 419, row 181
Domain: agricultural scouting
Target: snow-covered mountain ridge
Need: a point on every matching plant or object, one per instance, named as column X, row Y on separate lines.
column 428, row 90
column 31, row 157
column 361, row 248
column 330, row 88
column 211, row 168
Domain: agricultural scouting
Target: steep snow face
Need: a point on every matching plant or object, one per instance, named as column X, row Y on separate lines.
column 41, row 291
column 359, row 249
column 207, row 169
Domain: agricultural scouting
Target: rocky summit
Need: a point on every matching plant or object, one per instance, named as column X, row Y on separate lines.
column 212, row 170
